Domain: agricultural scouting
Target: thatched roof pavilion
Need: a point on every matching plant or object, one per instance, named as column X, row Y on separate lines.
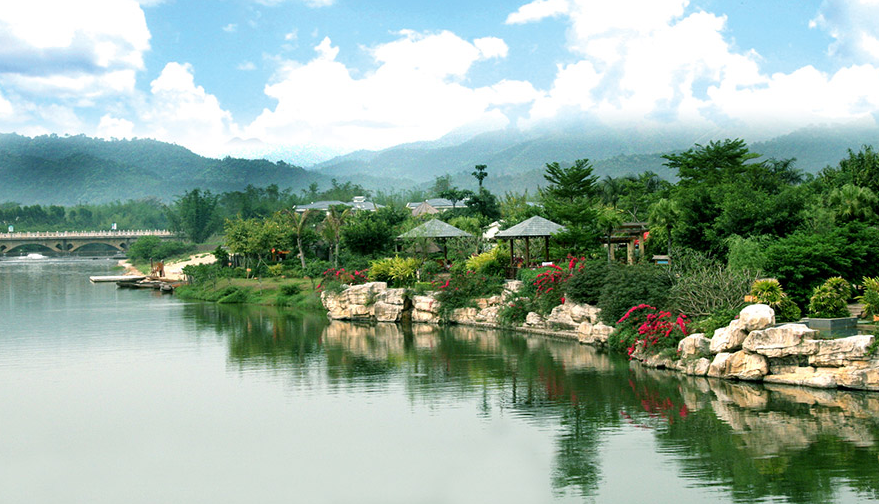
column 535, row 227
column 437, row 230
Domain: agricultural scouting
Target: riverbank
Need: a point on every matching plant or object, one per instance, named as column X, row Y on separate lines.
column 750, row 348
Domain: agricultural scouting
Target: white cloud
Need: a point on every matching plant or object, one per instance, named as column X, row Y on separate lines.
column 6, row 108
column 180, row 111
column 537, row 10
column 246, row 66
column 853, row 25
column 650, row 62
column 114, row 127
column 416, row 92
column 230, row 28
column 50, row 47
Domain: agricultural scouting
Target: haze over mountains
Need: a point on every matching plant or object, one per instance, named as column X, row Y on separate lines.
column 69, row 170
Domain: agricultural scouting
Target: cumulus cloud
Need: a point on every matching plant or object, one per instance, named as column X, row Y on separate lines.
column 114, row 127
column 537, row 10
column 655, row 63
column 417, row 91
column 50, row 37
column 180, row 111
column 852, row 23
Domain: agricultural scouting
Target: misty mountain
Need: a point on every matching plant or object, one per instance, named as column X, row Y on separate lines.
column 516, row 160
column 67, row 170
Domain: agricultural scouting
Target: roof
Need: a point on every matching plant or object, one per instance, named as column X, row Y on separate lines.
column 424, row 208
column 358, row 204
column 438, row 203
column 535, row 226
column 435, row 229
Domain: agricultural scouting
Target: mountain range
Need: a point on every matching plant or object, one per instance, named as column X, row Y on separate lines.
column 66, row 170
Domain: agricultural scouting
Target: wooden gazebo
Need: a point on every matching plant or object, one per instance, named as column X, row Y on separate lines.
column 437, row 230
column 535, row 227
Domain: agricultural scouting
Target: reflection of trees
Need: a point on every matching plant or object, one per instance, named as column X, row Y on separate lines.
column 757, row 441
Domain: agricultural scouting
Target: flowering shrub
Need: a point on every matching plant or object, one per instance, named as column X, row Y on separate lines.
column 650, row 330
column 332, row 279
column 515, row 311
column 459, row 290
column 550, row 283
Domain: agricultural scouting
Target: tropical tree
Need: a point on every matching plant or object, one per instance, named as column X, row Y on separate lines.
column 297, row 221
column 332, row 229
column 480, row 173
column 609, row 218
column 663, row 216
column 195, row 215
column 851, row 202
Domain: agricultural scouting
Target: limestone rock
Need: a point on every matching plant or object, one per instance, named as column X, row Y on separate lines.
column 463, row 315
column 534, row 320
column 757, row 316
column 781, row 341
column 740, row 365
column 511, row 288
column 560, row 316
column 842, row 351
column 583, row 312
column 806, row 376
column 593, row 334
column 729, row 338
column 489, row 315
column 861, row 377
column 364, row 294
column 425, row 316
column 694, row 367
column 392, row 296
column 694, row 345
column 387, row 312
column 426, row 304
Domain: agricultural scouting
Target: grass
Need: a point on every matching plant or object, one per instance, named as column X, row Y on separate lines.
column 292, row 292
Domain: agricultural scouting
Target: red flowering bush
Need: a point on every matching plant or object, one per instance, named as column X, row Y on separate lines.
column 332, row 279
column 550, row 283
column 647, row 329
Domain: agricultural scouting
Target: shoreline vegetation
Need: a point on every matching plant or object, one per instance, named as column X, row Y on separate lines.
column 647, row 263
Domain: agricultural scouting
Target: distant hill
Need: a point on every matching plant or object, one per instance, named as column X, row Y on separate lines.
column 68, row 170
column 516, row 160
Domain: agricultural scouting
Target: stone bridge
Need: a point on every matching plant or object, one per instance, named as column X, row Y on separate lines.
column 71, row 241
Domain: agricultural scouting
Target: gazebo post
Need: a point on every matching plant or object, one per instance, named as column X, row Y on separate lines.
column 445, row 252
column 546, row 248
column 512, row 254
column 527, row 253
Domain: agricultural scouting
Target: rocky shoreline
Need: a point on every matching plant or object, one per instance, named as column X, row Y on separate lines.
column 751, row 348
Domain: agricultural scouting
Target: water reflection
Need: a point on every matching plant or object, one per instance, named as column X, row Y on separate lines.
column 751, row 442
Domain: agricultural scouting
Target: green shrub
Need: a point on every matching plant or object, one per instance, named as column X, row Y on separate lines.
column 586, row 283
column 488, row 263
column 515, row 311
column 628, row 286
column 460, row 290
column 290, row 289
column 398, row 271
column 870, row 298
column 708, row 324
column 768, row 291
column 703, row 286
column 232, row 295
column 829, row 299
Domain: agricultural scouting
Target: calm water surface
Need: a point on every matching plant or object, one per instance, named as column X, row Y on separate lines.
column 119, row 396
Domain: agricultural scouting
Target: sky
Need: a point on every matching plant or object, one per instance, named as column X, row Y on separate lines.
column 304, row 80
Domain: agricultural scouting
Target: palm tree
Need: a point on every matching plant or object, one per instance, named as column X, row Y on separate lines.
column 609, row 218
column 663, row 216
column 611, row 190
column 332, row 229
column 298, row 220
column 852, row 203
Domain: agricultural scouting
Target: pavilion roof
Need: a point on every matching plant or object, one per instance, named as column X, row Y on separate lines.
column 535, row 226
column 435, row 229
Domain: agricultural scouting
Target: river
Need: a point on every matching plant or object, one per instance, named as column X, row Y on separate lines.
column 119, row 396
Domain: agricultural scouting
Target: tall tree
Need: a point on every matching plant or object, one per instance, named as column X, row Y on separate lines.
column 195, row 215
column 297, row 221
column 568, row 200
column 570, row 184
column 332, row 229
column 480, row 173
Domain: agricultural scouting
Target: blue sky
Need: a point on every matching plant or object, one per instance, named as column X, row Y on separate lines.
column 307, row 79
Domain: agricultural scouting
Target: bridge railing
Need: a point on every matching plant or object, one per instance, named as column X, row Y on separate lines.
column 86, row 234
